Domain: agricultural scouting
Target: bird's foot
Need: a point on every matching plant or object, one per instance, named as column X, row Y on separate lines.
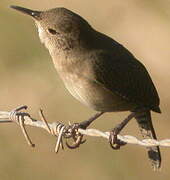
column 75, row 135
column 115, row 143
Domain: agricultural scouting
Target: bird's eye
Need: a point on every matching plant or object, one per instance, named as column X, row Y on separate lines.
column 52, row 31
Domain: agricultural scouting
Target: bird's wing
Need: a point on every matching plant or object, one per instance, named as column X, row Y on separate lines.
column 125, row 76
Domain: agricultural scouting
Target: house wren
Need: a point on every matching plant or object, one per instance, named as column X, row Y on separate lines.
column 98, row 71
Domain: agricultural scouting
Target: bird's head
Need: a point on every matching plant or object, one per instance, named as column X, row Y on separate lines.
column 59, row 28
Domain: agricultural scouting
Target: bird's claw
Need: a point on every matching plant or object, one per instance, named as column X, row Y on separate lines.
column 76, row 142
column 115, row 143
column 76, row 136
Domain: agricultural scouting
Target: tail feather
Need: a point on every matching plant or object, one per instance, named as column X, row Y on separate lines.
column 147, row 130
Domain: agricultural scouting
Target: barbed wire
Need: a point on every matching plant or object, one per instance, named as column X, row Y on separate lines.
column 67, row 131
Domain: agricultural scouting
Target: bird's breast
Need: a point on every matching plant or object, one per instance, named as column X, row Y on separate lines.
column 78, row 86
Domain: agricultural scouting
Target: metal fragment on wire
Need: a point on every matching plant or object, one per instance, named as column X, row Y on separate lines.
column 17, row 116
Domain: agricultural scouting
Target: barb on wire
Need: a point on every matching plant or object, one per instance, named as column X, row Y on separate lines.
column 64, row 132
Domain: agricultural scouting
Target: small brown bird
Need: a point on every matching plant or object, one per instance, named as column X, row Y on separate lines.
column 98, row 71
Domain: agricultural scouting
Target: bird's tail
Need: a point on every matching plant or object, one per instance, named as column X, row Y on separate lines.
column 147, row 130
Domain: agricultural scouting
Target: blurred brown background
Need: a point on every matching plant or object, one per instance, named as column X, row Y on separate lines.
column 28, row 77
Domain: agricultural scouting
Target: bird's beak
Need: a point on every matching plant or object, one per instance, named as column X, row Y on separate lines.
column 34, row 14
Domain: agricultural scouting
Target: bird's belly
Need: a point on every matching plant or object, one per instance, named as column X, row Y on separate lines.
column 94, row 94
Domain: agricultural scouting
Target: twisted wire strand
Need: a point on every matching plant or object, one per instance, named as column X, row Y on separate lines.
column 60, row 130
column 127, row 138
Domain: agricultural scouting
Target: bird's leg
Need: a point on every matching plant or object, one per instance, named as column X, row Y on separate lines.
column 114, row 142
column 84, row 124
